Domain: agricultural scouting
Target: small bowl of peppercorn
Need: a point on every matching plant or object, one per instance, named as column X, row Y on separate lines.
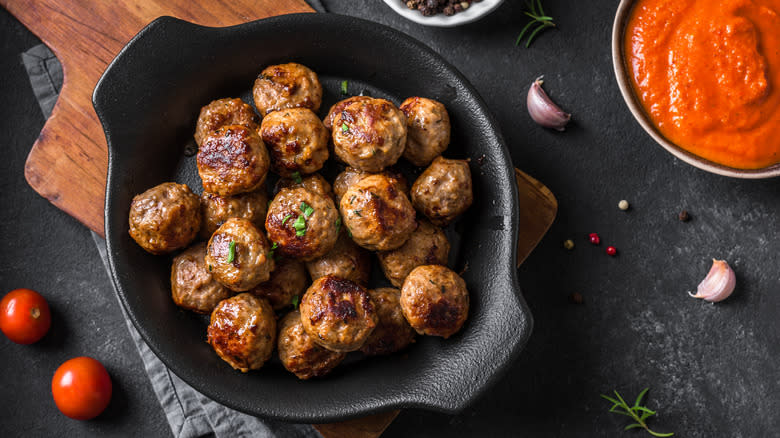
column 443, row 13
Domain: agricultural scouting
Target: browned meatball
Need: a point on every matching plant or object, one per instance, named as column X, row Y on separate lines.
column 337, row 107
column 346, row 260
column 434, row 300
column 217, row 209
column 296, row 139
column 338, row 314
column 192, row 286
column 164, row 218
column 243, row 331
column 302, row 223
column 369, row 135
column 427, row 246
column 379, row 216
column 239, row 256
column 224, row 112
column 443, row 190
column 314, row 182
column 299, row 354
column 288, row 280
column 392, row 333
column 350, row 176
column 428, row 127
column 232, row 160
column 287, row 86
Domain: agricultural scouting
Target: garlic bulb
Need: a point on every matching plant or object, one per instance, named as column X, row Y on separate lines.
column 718, row 284
column 543, row 110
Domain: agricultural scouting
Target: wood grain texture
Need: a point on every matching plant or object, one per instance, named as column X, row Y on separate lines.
column 67, row 164
column 538, row 208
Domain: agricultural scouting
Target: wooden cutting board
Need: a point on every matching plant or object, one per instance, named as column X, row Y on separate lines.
column 67, row 163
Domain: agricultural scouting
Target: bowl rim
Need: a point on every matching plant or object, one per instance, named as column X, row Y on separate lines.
column 517, row 313
column 475, row 12
column 640, row 115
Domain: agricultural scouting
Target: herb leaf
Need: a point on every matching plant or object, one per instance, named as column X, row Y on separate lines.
column 231, row 252
column 343, row 87
column 295, row 301
column 272, row 250
column 338, row 224
column 296, row 176
column 344, row 127
column 638, row 413
column 306, row 209
column 300, row 226
column 538, row 18
column 286, row 218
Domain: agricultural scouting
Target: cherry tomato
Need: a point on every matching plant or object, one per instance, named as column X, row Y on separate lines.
column 81, row 388
column 24, row 316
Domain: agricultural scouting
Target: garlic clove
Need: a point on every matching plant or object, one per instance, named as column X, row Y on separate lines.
column 718, row 284
column 543, row 110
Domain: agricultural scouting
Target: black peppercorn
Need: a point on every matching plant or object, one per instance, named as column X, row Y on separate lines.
column 684, row 216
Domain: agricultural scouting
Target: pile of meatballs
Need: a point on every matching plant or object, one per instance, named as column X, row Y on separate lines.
column 251, row 271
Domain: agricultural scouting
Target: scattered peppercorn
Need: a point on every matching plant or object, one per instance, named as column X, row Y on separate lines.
column 594, row 238
column 611, row 251
column 684, row 216
column 568, row 244
column 481, row 160
column 623, row 205
column 576, row 297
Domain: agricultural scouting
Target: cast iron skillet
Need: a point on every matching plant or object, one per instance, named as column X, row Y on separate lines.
column 148, row 101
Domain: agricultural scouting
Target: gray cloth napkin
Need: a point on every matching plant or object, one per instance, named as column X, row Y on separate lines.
column 190, row 413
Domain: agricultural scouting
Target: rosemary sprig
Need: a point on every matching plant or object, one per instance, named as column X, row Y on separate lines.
column 638, row 413
column 539, row 18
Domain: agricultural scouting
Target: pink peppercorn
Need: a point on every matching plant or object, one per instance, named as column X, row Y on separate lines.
column 611, row 250
column 594, row 238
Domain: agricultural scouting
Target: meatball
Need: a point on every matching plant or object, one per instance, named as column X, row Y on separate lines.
column 239, row 255
column 302, row 223
column 224, row 112
column 299, row 354
column 287, row 281
column 296, row 139
column 165, row 218
column 434, row 300
column 392, row 333
column 427, row 246
column 379, row 216
column 314, row 182
column 443, row 190
column 428, row 127
column 285, row 86
column 340, row 105
column 232, row 160
column 338, row 314
column 217, row 209
column 369, row 135
column 346, row 260
column 350, row 176
column 243, row 331
column 192, row 285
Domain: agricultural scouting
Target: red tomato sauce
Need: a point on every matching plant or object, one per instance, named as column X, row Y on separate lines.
column 708, row 74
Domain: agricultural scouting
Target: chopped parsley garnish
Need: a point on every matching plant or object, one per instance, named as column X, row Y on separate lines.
column 273, row 248
column 210, row 268
column 349, row 232
column 352, row 199
column 295, row 300
column 357, row 213
column 286, row 218
column 344, row 127
column 296, row 176
column 306, row 209
column 300, row 226
column 343, row 87
column 338, row 224
column 231, row 252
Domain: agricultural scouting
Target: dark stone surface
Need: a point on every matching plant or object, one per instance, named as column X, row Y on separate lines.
column 711, row 368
